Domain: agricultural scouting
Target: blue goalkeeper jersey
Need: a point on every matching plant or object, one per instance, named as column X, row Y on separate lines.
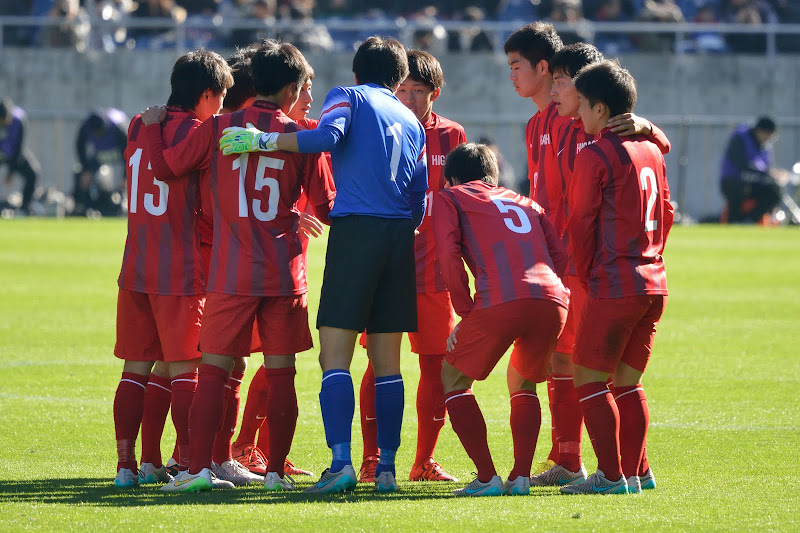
column 377, row 149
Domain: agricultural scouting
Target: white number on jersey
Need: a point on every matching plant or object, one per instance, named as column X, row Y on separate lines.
column 648, row 180
column 264, row 162
column 149, row 203
column 509, row 206
column 395, row 131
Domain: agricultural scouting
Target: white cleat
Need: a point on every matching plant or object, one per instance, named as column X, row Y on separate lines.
column 494, row 487
column 521, row 486
column 126, row 479
column 597, row 483
column 233, row 471
column 634, row 485
column 558, row 476
column 150, row 474
column 274, row 483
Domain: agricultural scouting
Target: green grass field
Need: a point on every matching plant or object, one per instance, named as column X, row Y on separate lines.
column 722, row 388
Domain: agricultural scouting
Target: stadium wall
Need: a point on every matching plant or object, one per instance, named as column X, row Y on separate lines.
column 695, row 99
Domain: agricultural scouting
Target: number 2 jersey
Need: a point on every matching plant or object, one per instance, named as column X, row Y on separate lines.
column 620, row 216
column 256, row 249
column 508, row 243
column 161, row 251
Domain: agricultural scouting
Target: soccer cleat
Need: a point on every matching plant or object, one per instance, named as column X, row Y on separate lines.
column 368, row 466
column 558, row 476
column 126, row 479
column 386, row 482
column 597, row 483
column 186, row 482
column 252, row 458
column 341, row 481
column 542, row 467
column 634, row 485
column 218, row 483
column 429, row 471
column 274, row 483
column 521, row 486
column 233, row 471
column 289, row 468
column 150, row 474
column 647, row 480
column 173, row 468
column 478, row 488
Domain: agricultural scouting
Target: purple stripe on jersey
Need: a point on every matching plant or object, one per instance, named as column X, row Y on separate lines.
column 504, row 275
column 258, row 260
column 472, row 252
column 189, row 238
column 183, row 129
column 141, row 247
column 607, row 235
column 135, row 129
column 164, row 258
column 622, row 153
column 282, row 257
column 216, row 216
column 232, row 263
column 529, row 257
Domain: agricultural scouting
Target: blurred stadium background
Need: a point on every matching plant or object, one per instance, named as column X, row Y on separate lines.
column 702, row 66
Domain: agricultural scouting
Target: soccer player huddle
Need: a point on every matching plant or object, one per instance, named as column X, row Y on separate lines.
column 229, row 180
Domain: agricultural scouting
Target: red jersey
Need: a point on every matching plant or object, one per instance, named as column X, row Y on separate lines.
column 511, row 248
column 161, row 251
column 542, row 172
column 620, row 215
column 442, row 135
column 256, row 249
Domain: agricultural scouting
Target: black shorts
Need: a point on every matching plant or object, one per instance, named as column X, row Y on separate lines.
column 370, row 279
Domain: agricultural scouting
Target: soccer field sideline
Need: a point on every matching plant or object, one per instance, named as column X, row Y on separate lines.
column 722, row 391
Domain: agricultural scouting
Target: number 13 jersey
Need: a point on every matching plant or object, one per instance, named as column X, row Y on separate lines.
column 508, row 243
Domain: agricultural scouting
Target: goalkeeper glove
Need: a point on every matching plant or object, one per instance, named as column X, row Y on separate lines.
column 236, row 140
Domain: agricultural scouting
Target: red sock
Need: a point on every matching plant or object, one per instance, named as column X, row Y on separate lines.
column 255, row 409
column 366, row 404
column 128, row 407
column 634, row 417
column 602, row 423
column 526, row 420
column 468, row 423
column 222, row 440
column 567, row 421
column 281, row 415
column 157, row 398
column 205, row 416
column 430, row 406
column 644, row 465
column 183, row 389
column 553, row 455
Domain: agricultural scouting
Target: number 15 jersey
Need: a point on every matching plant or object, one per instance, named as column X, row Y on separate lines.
column 508, row 243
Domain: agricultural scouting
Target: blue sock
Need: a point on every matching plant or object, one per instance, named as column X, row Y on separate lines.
column 337, row 403
column 389, row 401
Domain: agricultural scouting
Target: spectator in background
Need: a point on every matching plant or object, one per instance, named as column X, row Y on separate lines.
column 570, row 12
column 658, row 11
column 747, row 12
column 100, row 147
column 73, row 30
column 304, row 33
column 251, row 10
column 152, row 37
column 13, row 154
column 473, row 39
column 705, row 13
column 611, row 11
column 750, row 184
column 788, row 12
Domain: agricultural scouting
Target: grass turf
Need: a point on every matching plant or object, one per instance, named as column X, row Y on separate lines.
column 722, row 389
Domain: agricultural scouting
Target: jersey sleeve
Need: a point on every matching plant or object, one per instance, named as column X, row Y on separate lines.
column 447, row 235
column 555, row 246
column 669, row 210
column 192, row 153
column 659, row 138
column 334, row 121
column 318, row 186
column 585, row 197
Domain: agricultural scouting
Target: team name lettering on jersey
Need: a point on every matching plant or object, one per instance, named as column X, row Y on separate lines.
column 438, row 159
column 544, row 140
column 583, row 145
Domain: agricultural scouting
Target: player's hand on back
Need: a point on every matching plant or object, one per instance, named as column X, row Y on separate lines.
column 154, row 114
column 238, row 140
column 629, row 124
column 310, row 226
column 451, row 340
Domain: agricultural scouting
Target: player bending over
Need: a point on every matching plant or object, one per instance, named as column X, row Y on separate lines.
column 161, row 284
column 620, row 216
column 517, row 259
column 257, row 264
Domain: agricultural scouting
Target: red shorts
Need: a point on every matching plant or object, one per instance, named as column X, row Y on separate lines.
column 618, row 329
column 531, row 325
column 282, row 323
column 435, row 320
column 577, row 299
column 157, row 327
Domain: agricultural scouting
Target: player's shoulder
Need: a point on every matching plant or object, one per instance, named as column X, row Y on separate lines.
column 444, row 123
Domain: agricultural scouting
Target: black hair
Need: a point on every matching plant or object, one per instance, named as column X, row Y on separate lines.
column 766, row 124
column 535, row 42
column 425, row 68
column 381, row 61
column 574, row 57
column 6, row 108
column 276, row 65
column 471, row 162
column 609, row 83
column 196, row 72
column 242, row 89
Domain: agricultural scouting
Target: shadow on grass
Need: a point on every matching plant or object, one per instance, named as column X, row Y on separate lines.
column 103, row 493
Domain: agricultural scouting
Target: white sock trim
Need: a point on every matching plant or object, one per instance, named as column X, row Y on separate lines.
column 159, row 386
column 400, row 380
column 134, row 382
column 342, row 373
column 628, row 392
column 458, row 395
column 593, row 395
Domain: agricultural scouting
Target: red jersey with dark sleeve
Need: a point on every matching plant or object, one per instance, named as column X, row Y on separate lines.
column 161, row 250
column 442, row 135
column 256, row 249
column 620, row 216
column 507, row 242
column 540, row 135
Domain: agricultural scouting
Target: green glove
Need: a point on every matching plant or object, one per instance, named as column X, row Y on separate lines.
column 237, row 140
